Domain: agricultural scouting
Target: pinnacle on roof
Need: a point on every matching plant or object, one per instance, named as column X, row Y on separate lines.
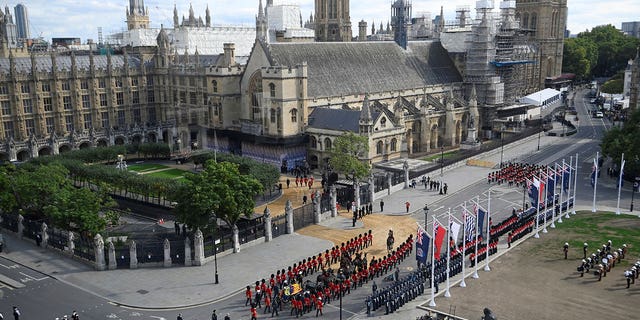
column 365, row 113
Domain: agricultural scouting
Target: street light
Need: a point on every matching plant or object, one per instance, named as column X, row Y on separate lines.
column 501, row 146
column 215, row 254
column 633, row 191
column 426, row 214
column 441, row 168
column 341, row 279
column 540, row 129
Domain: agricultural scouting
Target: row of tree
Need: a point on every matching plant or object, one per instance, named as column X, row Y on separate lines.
column 45, row 193
column 601, row 52
column 625, row 140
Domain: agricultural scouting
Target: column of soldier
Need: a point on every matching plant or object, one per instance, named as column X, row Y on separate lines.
column 514, row 174
column 353, row 270
column 600, row 261
column 395, row 295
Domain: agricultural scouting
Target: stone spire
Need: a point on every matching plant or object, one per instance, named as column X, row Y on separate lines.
column 366, row 122
column 208, row 17
column 176, row 20
column 261, row 23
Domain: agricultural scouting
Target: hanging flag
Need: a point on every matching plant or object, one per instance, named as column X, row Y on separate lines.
column 481, row 215
column 422, row 246
column 470, row 224
column 440, row 232
column 533, row 193
column 455, row 230
column 565, row 174
column 594, row 168
column 551, row 183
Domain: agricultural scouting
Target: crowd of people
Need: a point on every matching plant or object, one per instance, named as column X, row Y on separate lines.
column 292, row 289
column 515, row 173
column 400, row 292
column 601, row 261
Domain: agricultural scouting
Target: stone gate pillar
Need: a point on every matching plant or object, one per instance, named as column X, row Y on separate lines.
column 198, row 243
column 71, row 246
column 113, row 264
column 389, row 183
column 187, row 252
column 45, row 235
column 372, row 189
column 133, row 255
column 405, row 167
column 20, row 225
column 334, row 201
column 236, row 239
column 167, row 253
column 99, row 252
column 288, row 212
column 317, row 208
column 268, row 234
column 356, row 194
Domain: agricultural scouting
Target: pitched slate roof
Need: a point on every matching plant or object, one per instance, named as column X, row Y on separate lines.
column 337, row 119
column 345, row 68
column 43, row 63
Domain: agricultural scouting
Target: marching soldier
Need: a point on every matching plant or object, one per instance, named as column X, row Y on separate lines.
column 565, row 249
column 585, row 247
column 628, row 275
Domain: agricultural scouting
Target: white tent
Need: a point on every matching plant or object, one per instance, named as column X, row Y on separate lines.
column 543, row 98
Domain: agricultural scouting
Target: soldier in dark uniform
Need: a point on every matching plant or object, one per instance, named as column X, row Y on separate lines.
column 585, row 247
column 628, row 275
column 565, row 249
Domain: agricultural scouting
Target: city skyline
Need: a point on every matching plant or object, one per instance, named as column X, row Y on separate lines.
column 83, row 19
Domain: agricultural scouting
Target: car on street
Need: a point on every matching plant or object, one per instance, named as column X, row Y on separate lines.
column 598, row 114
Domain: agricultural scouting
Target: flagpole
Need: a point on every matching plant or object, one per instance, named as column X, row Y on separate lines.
column 554, row 202
column 546, row 204
column 537, row 235
column 561, row 190
column 620, row 183
column 575, row 187
column 464, row 242
column 475, row 256
column 486, row 265
column 569, row 186
column 595, row 184
column 447, row 294
column 432, row 303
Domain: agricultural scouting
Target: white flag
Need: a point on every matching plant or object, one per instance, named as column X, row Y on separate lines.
column 455, row 230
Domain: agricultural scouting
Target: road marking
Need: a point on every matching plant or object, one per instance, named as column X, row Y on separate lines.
column 156, row 317
column 33, row 278
column 15, row 266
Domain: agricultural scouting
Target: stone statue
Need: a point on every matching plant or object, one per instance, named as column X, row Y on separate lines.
column 99, row 242
column 471, row 123
column 267, row 213
column 405, row 165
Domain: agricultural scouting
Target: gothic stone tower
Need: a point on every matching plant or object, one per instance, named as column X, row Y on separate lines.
column 137, row 15
column 547, row 20
column 332, row 20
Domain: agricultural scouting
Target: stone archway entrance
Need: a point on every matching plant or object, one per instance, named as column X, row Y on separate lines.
column 45, row 151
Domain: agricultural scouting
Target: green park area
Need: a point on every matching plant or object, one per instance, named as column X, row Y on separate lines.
column 145, row 167
column 437, row 156
column 595, row 229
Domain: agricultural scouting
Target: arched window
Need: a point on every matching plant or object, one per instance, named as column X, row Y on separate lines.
column 394, row 143
column 273, row 115
column 314, row 142
column 534, row 21
column 214, row 84
column 525, row 21
column 383, row 122
column 294, row 115
column 327, row 144
column 272, row 90
column 379, row 147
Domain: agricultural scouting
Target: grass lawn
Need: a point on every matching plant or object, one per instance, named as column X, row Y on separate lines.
column 596, row 229
column 145, row 167
column 437, row 156
column 171, row 174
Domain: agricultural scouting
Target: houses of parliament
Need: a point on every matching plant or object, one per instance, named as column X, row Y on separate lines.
column 285, row 100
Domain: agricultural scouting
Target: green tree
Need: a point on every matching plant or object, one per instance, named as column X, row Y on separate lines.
column 76, row 209
column 614, row 49
column 580, row 54
column 625, row 140
column 347, row 153
column 218, row 191
column 613, row 86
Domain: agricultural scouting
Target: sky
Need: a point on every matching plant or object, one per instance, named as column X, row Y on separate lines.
column 81, row 18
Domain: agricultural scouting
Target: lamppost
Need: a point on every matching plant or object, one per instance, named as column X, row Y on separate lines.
column 441, row 168
column 215, row 252
column 501, row 146
column 540, row 129
column 524, row 194
column 426, row 214
column 341, row 280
